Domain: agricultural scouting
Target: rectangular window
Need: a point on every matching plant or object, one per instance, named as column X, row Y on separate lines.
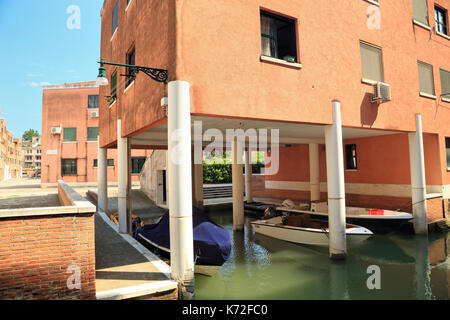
column 113, row 88
column 69, row 167
column 131, row 60
column 70, row 134
column 92, row 134
column 420, row 11
column 445, row 84
column 447, row 148
column 372, row 62
column 350, row 157
column 137, row 164
column 278, row 37
column 440, row 17
column 110, row 162
column 93, row 101
column 95, row 163
column 115, row 18
column 426, row 79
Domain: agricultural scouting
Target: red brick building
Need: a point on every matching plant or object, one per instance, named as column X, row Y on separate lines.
column 70, row 120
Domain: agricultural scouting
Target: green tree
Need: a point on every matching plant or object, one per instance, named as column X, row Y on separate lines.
column 29, row 134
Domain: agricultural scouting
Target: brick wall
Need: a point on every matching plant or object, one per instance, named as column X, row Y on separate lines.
column 35, row 253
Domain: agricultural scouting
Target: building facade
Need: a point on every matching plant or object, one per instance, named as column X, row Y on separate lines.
column 354, row 97
column 11, row 154
column 70, row 134
column 270, row 78
column 32, row 153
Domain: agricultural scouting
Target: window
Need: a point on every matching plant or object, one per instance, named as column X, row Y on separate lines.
column 92, row 134
column 95, row 163
column 70, row 134
column 426, row 78
column 69, row 167
column 278, row 37
column 420, row 11
column 440, row 17
column 113, row 88
column 445, row 84
column 372, row 62
column 115, row 18
column 110, row 162
column 447, row 147
column 93, row 101
column 137, row 164
column 350, row 157
column 131, row 71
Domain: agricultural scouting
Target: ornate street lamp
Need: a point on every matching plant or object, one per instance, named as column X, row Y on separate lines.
column 159, row 75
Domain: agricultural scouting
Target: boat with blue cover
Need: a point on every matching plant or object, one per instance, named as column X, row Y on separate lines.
column 212, row 244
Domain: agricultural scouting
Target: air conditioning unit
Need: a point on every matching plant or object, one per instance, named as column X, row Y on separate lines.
column 56, row 130
column 94, row 114
column 382, row 92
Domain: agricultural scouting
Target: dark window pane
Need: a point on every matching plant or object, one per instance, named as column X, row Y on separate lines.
column 93, row 101
column 70, row 134
column 131, row 60
column 447, row 147
column 137, row 164
column 440, row 16
column 350, row 156
column 115, row 17
column 95, row 163
column 69, row 167
column 92, row 134
column 110, row 162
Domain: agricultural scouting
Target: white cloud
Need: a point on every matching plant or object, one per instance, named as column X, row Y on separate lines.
column 39, row 84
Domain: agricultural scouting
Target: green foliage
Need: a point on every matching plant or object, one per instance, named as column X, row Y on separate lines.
column 221, row 172
column 29, row 134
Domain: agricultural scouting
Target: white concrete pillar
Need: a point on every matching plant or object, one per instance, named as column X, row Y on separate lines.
column 336, row 185
column 314, row 181
column 180, row 187
column 238, row 185
column 122, row 173
column 248, row 177
column 418, row 184
column 102, row 176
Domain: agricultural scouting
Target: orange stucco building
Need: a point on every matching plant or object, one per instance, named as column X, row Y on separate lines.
column 70, row 136
column 244, row 71
column 11, row 154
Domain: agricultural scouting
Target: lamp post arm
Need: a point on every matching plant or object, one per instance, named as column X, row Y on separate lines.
column 159, row 75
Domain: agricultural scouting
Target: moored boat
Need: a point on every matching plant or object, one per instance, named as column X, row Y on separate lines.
column 212, row 244
column 377, row 220
column 313, row 232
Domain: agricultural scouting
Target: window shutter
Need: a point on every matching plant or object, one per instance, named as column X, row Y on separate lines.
column 426, row 78
column 92, row 133
column 420, row 11
column 115, row 18
column 445, row 82
column 371, row 60
column 70, row 134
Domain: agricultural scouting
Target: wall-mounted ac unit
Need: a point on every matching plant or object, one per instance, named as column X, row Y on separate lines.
column 56, row 130
column 382, row 92
column 94, row 114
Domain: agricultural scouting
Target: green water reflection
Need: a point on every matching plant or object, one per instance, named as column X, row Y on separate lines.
column 265, row 268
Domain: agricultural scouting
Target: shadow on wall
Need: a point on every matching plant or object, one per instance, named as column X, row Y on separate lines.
column 369, row 111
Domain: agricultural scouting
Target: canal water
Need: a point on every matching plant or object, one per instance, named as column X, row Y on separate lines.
column 260, row 267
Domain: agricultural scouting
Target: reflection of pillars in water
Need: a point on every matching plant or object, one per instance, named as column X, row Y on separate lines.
column 422, row 268
column 338, row 280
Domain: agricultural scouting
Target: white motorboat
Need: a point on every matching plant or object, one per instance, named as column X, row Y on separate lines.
column 315, row 232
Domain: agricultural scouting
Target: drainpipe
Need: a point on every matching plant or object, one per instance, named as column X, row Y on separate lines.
column 418, row 184
column 180, row 188
column 248, row 177
column 336, row 185
column 122, row 156
column 314, row 172
column 238, row 186
column 102, row 189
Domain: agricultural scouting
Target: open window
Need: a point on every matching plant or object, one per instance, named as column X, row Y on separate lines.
column 278, row 37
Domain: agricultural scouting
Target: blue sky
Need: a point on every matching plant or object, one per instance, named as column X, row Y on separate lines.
column 38, row 48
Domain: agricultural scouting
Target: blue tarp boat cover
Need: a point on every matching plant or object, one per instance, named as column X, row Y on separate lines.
column 212, row 245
